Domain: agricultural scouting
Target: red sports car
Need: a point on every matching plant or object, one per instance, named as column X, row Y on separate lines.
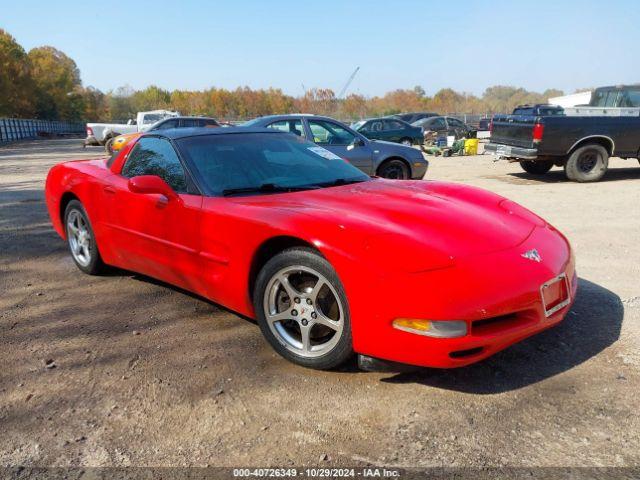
column 328, row 260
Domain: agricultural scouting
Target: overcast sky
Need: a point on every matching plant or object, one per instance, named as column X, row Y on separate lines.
column 466, row 45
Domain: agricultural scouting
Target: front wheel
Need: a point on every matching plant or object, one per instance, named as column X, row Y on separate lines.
column 81, row 239
column 108, row 145
column 536, row 167
column 587, row 164
column 302, row 309
column 394, row 169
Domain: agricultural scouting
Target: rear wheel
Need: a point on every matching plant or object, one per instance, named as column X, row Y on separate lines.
column 536, row 167
column 587, row 164
column 302, row 309
column 81, row 239
column 394, row 169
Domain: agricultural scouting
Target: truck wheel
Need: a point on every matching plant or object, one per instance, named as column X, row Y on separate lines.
column 108, row 145
column 587, row 164
column 536, row 167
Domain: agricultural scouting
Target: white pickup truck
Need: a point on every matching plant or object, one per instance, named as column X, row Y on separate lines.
column 105, row 133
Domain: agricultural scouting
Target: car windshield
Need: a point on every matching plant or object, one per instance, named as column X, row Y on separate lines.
column 249, row 163
column 250, row 123
column 154, row 118
column 357, row 125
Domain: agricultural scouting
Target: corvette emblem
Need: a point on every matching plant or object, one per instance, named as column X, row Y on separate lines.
column 532, row 255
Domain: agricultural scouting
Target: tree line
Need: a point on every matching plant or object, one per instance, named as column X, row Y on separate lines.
column 45, row 83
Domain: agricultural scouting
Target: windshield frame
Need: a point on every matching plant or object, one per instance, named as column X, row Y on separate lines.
column 180, row 144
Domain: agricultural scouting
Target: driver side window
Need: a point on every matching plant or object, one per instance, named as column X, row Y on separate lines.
column 156, row 156
column 329, row 133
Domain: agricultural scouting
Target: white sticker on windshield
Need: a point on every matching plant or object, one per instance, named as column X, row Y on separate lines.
column 324, row 153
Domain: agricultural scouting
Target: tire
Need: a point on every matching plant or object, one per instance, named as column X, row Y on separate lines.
column 315, row 288
column 536, row 167
column 587, row 164
column 108, row 145
column 394, row 169
column 406, row 141
column 82, row 242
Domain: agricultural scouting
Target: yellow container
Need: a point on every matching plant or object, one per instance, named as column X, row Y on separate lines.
column 471, row 146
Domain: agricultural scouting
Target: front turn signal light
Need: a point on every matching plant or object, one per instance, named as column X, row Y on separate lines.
column 432, row 328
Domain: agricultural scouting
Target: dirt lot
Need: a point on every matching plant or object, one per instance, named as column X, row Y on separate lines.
column 146, row 374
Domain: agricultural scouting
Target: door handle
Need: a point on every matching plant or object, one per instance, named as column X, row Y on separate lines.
column 109, row 189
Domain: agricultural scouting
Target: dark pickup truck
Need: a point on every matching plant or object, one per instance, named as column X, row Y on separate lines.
column 582, row 144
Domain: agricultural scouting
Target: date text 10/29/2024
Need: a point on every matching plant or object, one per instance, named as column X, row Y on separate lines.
column 368, row 472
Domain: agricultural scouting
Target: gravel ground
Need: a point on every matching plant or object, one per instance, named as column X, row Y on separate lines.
column 140, row 373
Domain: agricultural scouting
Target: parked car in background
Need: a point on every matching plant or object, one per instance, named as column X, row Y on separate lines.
column 105, row 133
column 389, row 129
column 414, row 116
column 374, row 157
column 173, row 122
column 443, row 126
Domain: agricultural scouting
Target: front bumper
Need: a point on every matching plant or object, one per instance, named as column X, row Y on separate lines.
column 509, row 151
column 497, row 294
column 419, row 168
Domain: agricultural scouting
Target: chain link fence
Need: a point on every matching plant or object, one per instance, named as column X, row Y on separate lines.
column 12, row 129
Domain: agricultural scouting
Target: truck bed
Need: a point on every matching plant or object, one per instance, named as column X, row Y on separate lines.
column 561, row 134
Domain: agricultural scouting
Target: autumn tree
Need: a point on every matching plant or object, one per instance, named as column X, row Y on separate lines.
column 95, row 105
column 16, row 86
column 57, row 82
column 151, row 98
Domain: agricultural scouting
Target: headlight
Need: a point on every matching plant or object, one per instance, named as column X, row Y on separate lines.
column 432, row 328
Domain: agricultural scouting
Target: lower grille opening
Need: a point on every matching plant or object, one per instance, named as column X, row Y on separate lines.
column 497, row 324
column 466, row 353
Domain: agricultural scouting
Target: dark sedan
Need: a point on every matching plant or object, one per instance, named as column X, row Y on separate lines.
column 442, row 126
column 389, row 129
column 374, row 157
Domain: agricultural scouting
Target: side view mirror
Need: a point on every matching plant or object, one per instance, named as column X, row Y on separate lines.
column 358, row 142
column 148, row 184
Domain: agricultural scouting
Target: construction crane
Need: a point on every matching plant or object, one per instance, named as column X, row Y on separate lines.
column 346, row 85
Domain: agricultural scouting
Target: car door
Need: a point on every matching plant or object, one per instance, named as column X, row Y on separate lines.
column 394, row 131
column 340, row 140
column 374, row 129
column 150, row 233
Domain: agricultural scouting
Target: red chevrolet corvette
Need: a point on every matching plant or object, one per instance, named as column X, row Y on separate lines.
column 328, row 260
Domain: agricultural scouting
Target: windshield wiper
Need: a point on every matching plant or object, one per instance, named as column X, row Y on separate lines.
column 266, row 188
column 341, row 181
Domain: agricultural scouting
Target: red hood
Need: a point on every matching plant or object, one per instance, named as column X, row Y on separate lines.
column 409, row 217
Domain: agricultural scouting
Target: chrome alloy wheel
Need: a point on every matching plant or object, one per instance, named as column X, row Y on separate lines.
column 303, row 311
column 79, row 237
